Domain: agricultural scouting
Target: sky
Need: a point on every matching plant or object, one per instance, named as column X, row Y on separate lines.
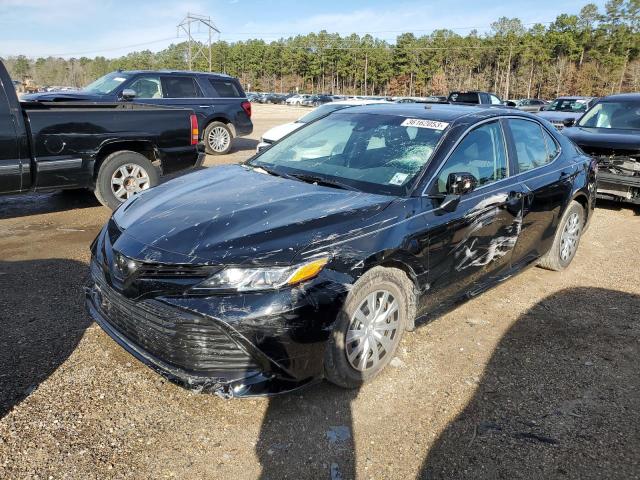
column 112, row 28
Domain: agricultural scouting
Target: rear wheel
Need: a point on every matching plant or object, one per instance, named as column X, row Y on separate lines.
column 217, row 138
column 122, row 175
column 369, row 327
column 566, row 240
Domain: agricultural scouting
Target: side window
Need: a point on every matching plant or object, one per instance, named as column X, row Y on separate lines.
column 495, row 100
column 181, row 87
column 552, row 146
column 225, row 88
column 147, row 87
column 531, row 148
column 481, row 153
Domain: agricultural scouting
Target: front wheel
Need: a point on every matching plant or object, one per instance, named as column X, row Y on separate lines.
column 369, row 327
column 566, row 240
column 217, row 138
column 122, row 175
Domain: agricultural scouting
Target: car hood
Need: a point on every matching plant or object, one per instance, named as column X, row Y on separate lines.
column 558, row 116
column 61, row 97
column 276, row 133
column 604, row 138
column 233, row 215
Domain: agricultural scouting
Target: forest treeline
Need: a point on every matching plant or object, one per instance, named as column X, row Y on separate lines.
column 596, row 52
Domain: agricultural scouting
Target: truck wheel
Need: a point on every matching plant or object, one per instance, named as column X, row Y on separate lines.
column 122, row 175
column 369, row 327
column 217, row 138
column 566, row 241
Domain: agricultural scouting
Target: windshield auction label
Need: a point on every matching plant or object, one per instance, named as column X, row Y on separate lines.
column 420, row 123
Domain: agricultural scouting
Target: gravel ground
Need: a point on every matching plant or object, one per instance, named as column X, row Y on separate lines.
column 537, row 378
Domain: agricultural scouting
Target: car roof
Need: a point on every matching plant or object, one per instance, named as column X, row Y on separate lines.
column 573, row 97
column 180, row 72
column 434, row 111
column 622, row 97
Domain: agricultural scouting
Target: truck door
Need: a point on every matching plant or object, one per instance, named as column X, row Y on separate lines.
column 11, row 167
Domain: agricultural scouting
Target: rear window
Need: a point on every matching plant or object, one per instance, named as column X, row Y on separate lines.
column 181, row 87
column 464, row 97
column 225, row 88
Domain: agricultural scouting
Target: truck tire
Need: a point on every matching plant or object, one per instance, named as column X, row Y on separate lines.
column 369, row 327
column 217, row 138
column 123, row 174
column 566, row 240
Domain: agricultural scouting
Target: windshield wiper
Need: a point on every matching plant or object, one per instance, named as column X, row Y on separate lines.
column 323, row 181
column 273, row 172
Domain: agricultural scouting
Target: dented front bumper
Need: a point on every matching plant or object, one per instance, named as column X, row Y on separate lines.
column 235, row 345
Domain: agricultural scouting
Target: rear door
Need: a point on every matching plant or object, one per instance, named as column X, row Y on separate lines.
column 547, row 182
column 11, row 167
column 471, row 247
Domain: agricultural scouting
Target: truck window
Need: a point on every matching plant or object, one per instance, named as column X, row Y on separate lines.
column 147, row 86
column 460, row 97
column 225, row 88
column 181, row 87
column 494, row 100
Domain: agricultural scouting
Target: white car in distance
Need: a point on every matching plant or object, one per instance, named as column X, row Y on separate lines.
column 276, row 133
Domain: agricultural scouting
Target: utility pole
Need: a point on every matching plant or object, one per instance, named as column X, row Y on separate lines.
column 195, row 48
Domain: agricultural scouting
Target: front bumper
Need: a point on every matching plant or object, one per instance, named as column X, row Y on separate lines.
column 232, row 345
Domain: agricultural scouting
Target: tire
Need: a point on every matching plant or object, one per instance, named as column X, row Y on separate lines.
column 374, row 284
column 217, row 138
column 142, row 176
column 561, row 252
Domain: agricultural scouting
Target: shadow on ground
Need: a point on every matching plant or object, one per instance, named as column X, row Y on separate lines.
column 312, row 430
column 14, row 206
column 42, row 319
column 560, row 398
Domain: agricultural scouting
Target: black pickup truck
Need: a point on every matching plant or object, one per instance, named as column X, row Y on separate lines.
column 115, row 150
column 610, row 132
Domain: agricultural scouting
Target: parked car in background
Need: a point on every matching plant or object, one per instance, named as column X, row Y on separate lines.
column 530, row 104
column 408, row 209
column 276, row 98
column 317, row 100
column 564, row 111
column 474, row 98
column 610, row 132
column 114, row 150
column 297, row 99
column 220, row 104
column 276, row 133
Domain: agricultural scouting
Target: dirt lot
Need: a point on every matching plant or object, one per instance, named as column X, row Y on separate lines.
column 537, row 378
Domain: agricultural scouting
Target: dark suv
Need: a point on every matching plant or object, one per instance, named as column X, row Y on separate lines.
column 218, row 100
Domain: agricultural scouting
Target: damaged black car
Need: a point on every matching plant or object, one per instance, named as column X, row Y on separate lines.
column 312, row 259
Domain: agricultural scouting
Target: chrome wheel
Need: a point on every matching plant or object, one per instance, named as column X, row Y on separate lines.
column 570, row 237
column 128, row 180
column 219, row 139
column 373, row 331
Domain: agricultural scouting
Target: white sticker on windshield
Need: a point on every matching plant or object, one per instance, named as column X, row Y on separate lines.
column 398, row 178
column 420, row 123
column 119, row 79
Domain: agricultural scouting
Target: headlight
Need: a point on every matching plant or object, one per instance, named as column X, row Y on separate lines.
column 267, row 278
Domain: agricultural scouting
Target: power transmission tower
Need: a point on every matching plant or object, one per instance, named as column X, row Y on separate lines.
column 191, row 24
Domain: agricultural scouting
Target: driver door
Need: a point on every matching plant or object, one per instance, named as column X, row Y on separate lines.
column 471, row 247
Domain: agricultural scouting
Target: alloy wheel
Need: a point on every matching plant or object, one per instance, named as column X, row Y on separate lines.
column 570, row 237
column 219, row 139
column 128, row 180
column 373, row 331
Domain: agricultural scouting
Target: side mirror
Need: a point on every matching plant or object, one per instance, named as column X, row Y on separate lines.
column 510, row 104
column 128, row 94
column 461, row 183
column 569, row 122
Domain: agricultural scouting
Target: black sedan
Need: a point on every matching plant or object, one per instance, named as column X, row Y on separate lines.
column 312, row 259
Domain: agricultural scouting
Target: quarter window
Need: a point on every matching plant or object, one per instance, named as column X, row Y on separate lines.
column 530, row 143
column 481, row 153
column 494, row 100
column 181, row 87
column 147, row 87
column 225, row 88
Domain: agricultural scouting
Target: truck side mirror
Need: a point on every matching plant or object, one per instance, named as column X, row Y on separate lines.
column 569, row 122
column 128, row 94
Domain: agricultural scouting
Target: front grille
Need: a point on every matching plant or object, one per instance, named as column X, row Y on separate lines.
column 173, row 336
